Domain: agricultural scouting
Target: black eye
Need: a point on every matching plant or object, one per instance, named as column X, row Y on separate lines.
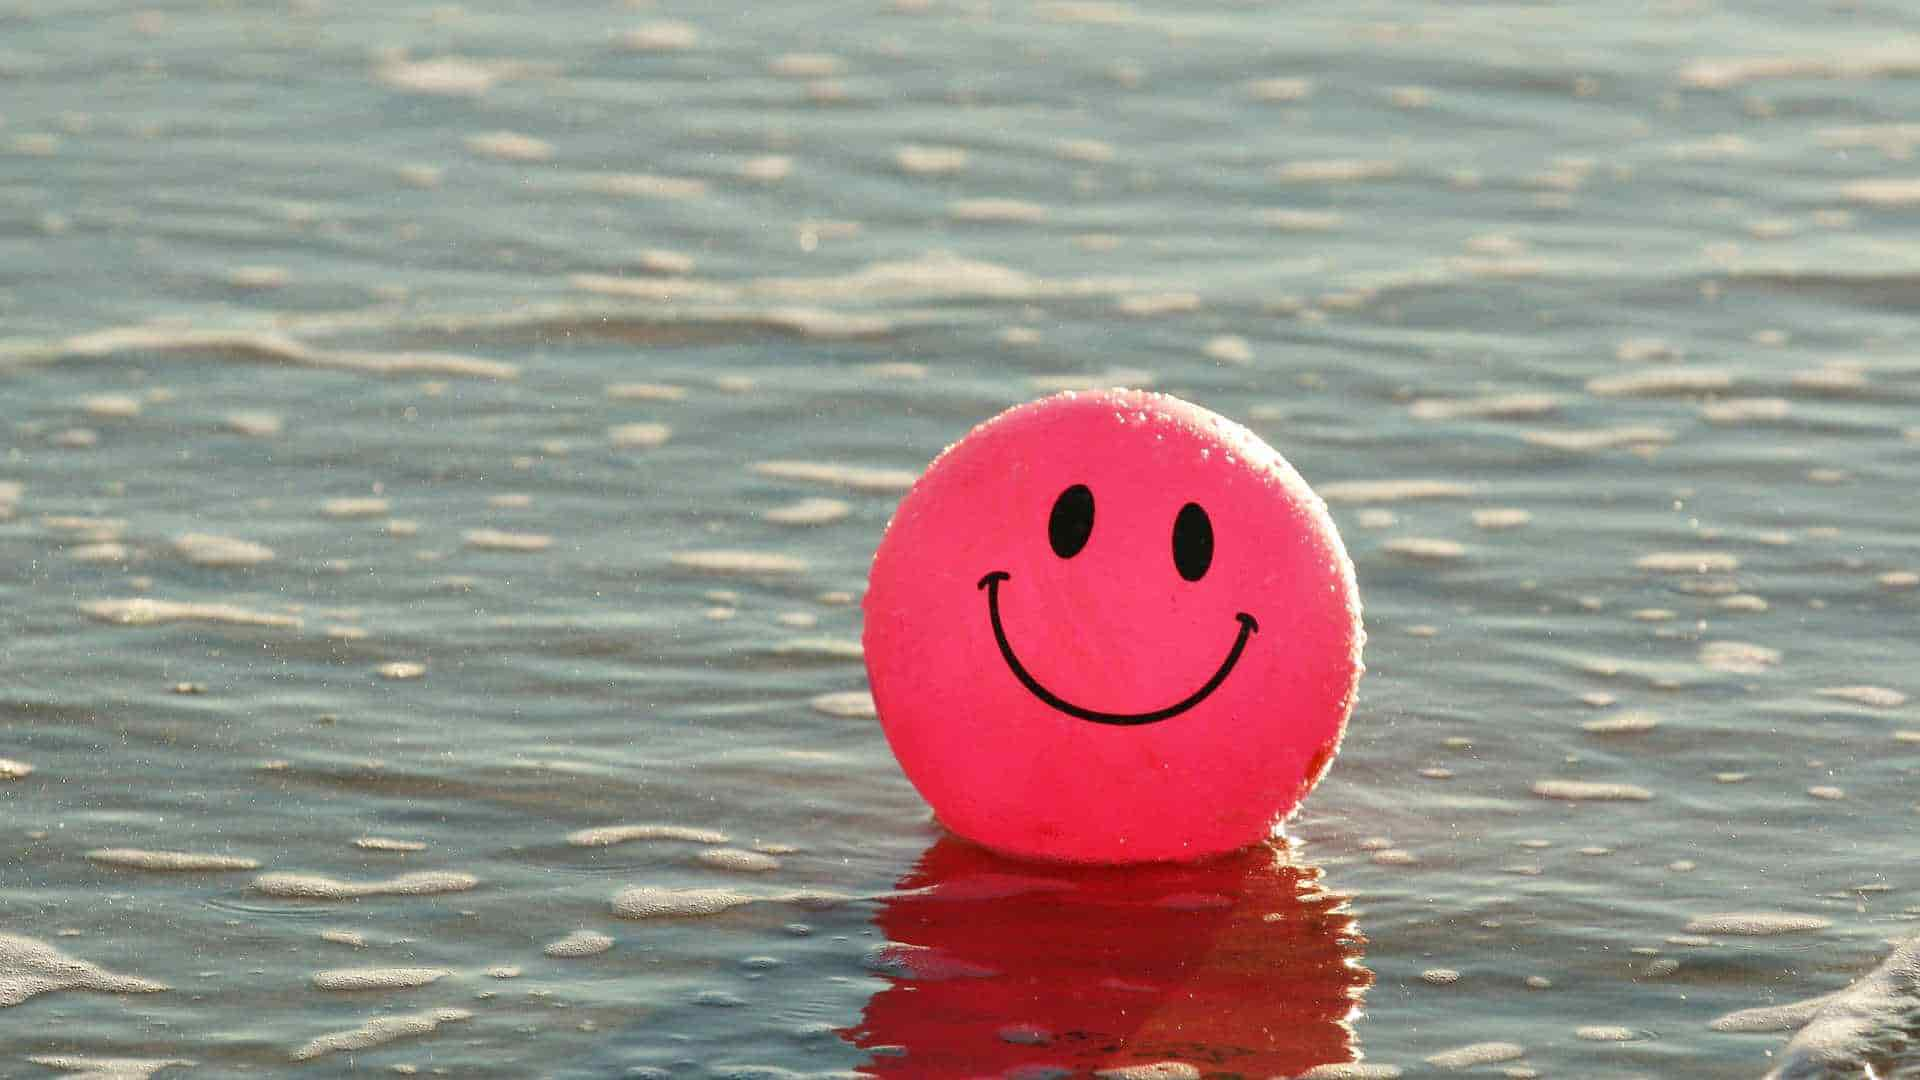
column 1072, row 521
column 1192, row 542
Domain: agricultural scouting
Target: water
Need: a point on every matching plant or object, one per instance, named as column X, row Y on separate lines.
column 366, row 469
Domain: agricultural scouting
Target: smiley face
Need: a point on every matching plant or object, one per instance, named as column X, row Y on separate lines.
column 1112, row 627
column 1069, row 527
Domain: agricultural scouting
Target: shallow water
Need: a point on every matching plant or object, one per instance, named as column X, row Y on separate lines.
column 433, row 432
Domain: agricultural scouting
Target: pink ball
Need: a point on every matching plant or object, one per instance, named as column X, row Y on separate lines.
column 1112, row 627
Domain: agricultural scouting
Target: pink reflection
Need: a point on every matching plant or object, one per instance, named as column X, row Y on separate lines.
column 1240, row 966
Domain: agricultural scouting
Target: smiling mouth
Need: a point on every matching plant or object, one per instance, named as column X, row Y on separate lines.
column 991, row 583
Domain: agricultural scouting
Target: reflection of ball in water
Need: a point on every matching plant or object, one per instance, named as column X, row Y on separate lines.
column 1112, row 627
column 1245, row 965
